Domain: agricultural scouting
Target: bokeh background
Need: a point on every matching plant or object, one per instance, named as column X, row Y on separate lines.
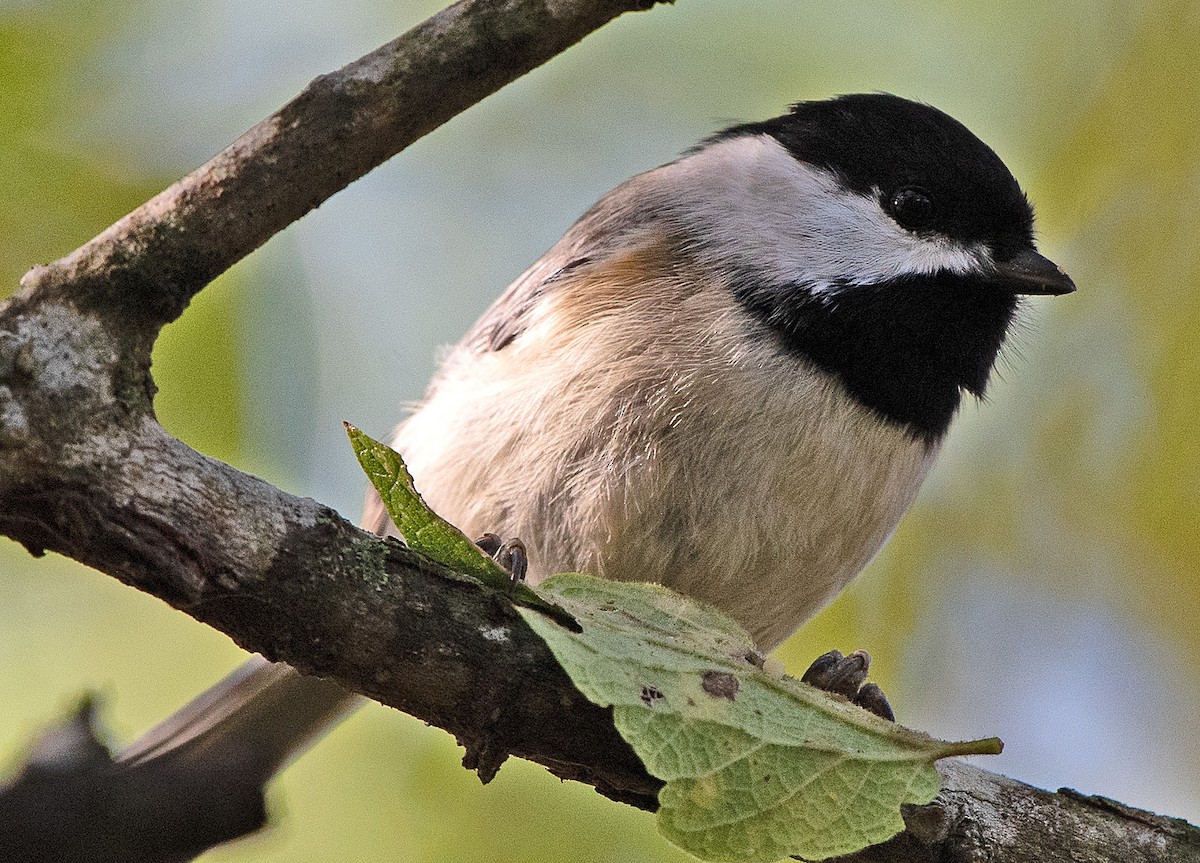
column 1045, row 588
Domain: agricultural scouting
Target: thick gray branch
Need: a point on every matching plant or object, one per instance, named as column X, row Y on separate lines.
column 283, row 576
column 87, row 472
column 980, row 816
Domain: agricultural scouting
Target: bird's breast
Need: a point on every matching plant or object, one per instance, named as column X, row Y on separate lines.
column 764, row 497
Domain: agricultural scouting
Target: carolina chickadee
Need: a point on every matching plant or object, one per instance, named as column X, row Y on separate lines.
column 730, row 376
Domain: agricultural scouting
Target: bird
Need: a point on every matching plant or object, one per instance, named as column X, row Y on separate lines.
column 730, row 376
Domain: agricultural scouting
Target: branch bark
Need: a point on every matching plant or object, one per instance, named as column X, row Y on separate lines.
column 86, row 471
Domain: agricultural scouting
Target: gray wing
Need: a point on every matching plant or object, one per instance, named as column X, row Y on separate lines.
column 598, row 233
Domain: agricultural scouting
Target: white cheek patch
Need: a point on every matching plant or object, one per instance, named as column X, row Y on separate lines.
column 755, row 207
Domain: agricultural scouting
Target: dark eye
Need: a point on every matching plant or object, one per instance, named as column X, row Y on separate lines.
column 912, row 208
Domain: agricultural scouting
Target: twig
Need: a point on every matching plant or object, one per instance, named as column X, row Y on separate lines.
column 151, row 262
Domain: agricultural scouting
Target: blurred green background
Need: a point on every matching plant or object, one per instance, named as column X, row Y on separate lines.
column 1045, row 588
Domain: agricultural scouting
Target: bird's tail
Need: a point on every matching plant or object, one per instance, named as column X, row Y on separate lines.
column 265, row 714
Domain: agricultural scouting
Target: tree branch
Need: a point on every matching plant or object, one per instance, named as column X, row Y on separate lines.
column 982, row 816
column 151, row 262
column 86, row 471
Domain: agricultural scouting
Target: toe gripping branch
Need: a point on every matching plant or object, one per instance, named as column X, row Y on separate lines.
column 509, row 553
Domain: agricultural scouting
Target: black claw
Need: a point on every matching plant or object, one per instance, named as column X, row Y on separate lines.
column 870, row 697
column 490, row 543
column 520, row 562
column 821, row 666
column 513, row 557
column 846, row 676
column 842, row 675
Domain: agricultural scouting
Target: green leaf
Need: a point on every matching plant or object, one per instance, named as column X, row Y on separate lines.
column 757, row 766
column 425, row 531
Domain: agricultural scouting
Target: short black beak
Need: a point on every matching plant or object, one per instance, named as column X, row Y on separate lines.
column 1028, row 272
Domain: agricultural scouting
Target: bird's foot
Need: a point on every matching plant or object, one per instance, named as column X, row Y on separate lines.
column 509, row 553
column 847, row 676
